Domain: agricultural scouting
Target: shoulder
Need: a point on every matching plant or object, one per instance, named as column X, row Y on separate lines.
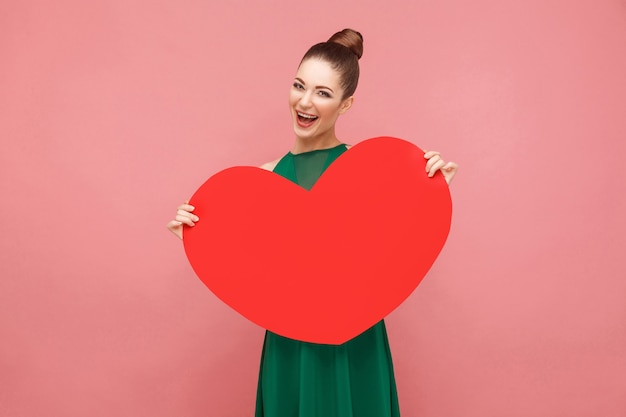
column 269, row 166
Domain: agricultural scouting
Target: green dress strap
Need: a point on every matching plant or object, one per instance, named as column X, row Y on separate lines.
column 301, row 379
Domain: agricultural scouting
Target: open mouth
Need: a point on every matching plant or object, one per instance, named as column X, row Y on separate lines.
column 306, row 119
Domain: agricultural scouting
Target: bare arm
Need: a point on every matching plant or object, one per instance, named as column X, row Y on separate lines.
column 184, row 212
column 269, row 166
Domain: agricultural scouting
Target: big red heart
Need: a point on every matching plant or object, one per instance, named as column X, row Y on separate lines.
column 322, row 265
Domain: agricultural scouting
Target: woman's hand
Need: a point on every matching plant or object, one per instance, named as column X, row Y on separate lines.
column 435, row 163
column 184, row 215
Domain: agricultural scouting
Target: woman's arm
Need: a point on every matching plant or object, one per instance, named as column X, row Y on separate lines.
column 184, row 213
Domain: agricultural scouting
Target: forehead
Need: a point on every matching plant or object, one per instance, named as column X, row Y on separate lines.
column 318, row 72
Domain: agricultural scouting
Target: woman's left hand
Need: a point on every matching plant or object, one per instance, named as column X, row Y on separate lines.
column 435, row 163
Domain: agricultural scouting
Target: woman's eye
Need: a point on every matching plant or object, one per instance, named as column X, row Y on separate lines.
column 298, row 86
column 324, row 93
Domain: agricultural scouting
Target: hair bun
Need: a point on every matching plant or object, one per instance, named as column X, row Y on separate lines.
column 351, row 39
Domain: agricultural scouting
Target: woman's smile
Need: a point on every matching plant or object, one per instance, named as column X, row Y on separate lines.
column 305, row 120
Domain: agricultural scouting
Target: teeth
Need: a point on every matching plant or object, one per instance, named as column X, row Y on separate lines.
column 307, row 116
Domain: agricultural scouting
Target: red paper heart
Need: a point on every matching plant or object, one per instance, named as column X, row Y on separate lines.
column 323, row 265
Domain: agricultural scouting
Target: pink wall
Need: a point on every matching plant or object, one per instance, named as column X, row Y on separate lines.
column 113, row 112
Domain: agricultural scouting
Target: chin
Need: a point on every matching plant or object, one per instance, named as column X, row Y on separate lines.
column 302, row 134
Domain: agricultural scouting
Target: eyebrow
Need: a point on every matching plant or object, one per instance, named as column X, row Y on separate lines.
column 317, row 86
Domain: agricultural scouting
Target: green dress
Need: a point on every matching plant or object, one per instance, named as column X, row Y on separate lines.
column 300, row 379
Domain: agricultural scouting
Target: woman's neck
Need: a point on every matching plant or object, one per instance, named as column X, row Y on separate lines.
column 312, row 144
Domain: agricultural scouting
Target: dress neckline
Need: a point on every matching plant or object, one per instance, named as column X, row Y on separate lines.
column 316, row 150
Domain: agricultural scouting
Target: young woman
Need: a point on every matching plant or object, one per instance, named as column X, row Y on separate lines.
column 300, row 379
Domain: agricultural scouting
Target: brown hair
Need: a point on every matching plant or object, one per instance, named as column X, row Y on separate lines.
column 342, row 51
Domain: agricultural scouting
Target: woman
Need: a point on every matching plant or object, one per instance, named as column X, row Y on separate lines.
column 306, row 379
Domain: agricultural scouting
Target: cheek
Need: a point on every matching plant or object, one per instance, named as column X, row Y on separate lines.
column 320, row 105
column 294, row 96
column 329, row 110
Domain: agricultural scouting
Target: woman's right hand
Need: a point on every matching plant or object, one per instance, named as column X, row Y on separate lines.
column 184, row 215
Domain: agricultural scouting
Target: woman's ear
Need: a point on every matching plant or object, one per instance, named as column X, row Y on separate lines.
column 346, row 104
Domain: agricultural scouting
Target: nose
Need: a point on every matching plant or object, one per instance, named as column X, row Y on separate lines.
column 305, row 100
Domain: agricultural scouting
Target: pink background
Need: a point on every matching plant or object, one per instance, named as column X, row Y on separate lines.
column 113, row 112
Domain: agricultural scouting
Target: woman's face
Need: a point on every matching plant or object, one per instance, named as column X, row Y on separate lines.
column 316, row 100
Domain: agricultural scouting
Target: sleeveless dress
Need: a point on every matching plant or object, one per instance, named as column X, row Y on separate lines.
column 300, row 379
